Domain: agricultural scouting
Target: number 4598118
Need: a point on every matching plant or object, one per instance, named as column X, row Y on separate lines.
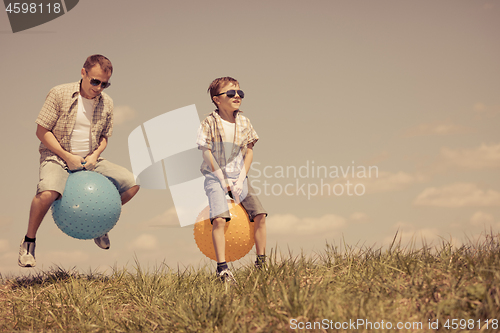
column 33, row 8
column 471, row 324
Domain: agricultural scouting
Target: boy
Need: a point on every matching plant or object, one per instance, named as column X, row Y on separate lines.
column 226, row 139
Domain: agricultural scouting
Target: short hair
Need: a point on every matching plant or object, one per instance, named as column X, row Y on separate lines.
column 98, row 59
column 216, row 84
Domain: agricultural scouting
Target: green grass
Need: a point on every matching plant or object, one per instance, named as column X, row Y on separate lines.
column 399, row 284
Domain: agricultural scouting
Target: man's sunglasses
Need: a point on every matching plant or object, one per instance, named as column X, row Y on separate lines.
column 231, row 93
column 96, row 82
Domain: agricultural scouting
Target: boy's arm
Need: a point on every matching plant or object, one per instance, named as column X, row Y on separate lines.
column 237, row 185
column 212, row 163
column 247, row 163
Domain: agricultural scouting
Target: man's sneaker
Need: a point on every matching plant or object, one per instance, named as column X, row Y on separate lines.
column 102, row 241
column 227, row 276
column 259, row 265
column 27, row 254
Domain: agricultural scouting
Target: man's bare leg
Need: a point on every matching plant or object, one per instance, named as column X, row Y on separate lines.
column 39, row 207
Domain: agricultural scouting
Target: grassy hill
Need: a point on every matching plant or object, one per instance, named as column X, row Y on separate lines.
column 341, row 289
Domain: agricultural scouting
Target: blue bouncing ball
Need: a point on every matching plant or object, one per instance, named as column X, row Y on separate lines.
column 90, row 206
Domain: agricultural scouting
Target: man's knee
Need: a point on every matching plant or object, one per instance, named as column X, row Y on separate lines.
column 47, row 197
column 133, row 190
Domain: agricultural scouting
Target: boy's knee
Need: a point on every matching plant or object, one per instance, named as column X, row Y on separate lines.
column 261, row 218
column 219, row 222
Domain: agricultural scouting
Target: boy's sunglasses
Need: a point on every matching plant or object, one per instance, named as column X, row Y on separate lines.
column 231, row 93
column 96, row 82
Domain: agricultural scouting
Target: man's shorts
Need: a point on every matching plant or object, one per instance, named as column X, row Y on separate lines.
column 218, row 202
column 53, row 176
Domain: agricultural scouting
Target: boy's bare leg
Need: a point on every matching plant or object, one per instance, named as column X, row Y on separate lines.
column 129, row 194
column 39, row 207
column 260, row 233
column 219, row 239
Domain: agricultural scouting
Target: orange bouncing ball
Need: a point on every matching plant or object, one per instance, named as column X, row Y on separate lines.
column 239, row 233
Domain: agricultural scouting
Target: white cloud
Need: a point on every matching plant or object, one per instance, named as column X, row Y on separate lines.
column 458, row 195
column 122, row 114
column 390, row 182
column 359, row 217
column 436, row 128
column 291, row 224
column 480, row 158
column 486, row 111
column 167, row 219
column 409, row 235
column 480, row 219
column 145, row 242
column 416, row 237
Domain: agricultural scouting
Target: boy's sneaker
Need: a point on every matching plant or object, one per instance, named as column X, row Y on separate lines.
column 227, row 276
column 27, row 254
column 260, row 262
column 103, row 241
column 262, row 267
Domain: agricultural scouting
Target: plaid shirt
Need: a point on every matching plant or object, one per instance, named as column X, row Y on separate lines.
column 58, row 115
column 211, row 136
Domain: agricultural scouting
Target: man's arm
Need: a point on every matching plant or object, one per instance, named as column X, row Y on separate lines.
column 74, row 162
column 91, row 159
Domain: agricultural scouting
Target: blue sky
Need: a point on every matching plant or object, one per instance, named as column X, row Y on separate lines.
column 408, row 87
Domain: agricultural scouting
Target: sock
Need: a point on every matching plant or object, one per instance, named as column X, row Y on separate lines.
column 221, row 266
column 27, row 239
column 261, row 259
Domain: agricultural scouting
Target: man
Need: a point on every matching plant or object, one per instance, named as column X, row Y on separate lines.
column 74, row 125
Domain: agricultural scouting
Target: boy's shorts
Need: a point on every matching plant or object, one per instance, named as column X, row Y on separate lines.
column 218, row 202
column 53, row 176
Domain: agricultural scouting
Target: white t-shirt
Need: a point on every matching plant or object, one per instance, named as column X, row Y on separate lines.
column 235, row 165
column 80, row 138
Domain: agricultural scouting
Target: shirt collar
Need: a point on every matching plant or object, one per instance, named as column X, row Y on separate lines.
column 76, row 91
column 216, row 112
